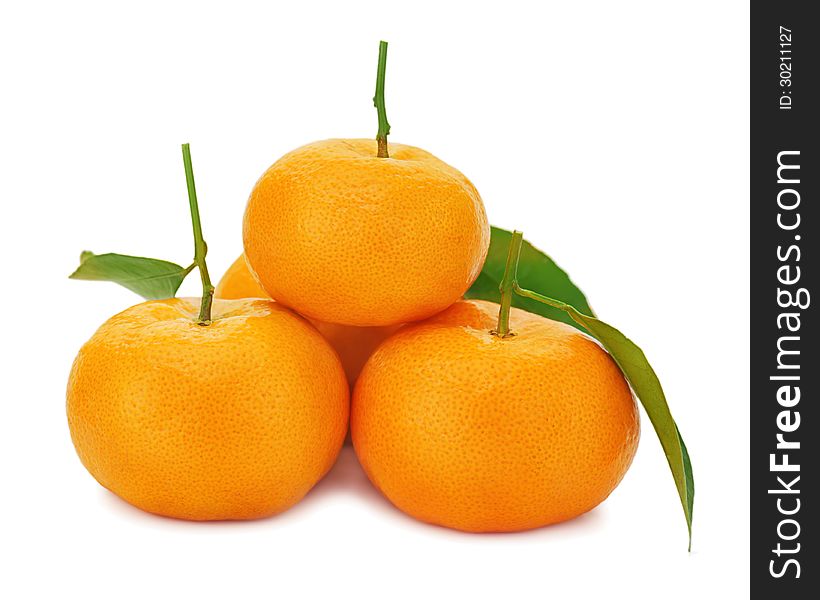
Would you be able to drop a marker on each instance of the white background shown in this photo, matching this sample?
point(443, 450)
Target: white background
point(614, 134)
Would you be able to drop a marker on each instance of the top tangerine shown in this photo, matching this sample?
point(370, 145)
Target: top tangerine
point(344, 236)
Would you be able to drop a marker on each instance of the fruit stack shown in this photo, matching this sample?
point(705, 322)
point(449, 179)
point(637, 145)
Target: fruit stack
point(347, 312)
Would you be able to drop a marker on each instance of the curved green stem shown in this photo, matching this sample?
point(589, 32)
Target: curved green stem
point(200, 247)
point(539, 298)
point(378, 102)
point(508, 282)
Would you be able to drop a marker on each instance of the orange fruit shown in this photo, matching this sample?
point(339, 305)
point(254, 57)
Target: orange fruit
point(461, 428)
point(353, 344)
point(234, 420)
point(238, 282)
point(343, 236)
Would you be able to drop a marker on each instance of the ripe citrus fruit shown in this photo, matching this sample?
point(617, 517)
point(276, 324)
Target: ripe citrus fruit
point(344, 236)
point(234, 420)
point(353, 344)
point(238, 283)
point(461, 428)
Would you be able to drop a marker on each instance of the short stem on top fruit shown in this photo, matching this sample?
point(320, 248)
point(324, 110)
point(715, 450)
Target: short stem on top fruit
point(378, 101)
point(200, 247)
point(508, 282)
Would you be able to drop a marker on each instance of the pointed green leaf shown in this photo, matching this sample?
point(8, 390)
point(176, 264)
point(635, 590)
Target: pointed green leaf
point(150, 278)
point(690, 484)
point(634, 365)
point(537, 270)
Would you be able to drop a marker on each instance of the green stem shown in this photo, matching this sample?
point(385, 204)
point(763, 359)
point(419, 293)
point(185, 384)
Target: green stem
point(508, 282)
point(378, 102)
point(200, 247)
point(538, 297)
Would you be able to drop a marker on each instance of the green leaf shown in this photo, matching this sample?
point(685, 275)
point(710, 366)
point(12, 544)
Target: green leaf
point(634, 365)
point(537, 270)
point(150, 278)
point(690, 485)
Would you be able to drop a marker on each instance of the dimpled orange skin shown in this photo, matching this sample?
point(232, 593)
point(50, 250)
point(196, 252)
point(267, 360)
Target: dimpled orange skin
point(354, 345)
point(234, 420)
point(343, 236)
point(238, 283)
point(460, 428)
